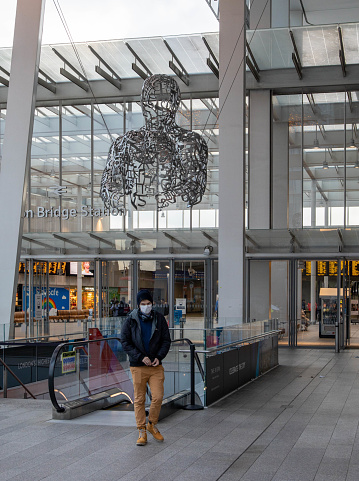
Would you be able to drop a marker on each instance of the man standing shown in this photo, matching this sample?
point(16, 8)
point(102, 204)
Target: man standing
point(146, 340)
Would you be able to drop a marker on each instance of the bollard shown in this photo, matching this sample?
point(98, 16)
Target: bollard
point(192, 405)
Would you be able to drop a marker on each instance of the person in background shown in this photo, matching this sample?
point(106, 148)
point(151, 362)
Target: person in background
point(115, 309)
point(146, 340)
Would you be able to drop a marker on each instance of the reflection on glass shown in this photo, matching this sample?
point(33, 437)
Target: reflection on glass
point(154, 276)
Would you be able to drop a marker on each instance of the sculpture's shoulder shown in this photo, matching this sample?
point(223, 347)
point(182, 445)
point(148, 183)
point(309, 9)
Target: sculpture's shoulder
point(129, 138)
point(188, 138)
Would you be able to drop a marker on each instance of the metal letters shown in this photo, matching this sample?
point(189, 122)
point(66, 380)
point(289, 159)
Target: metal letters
point(160, 160)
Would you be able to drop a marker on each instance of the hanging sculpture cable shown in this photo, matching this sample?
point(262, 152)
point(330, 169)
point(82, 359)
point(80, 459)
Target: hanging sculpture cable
point(64, 23)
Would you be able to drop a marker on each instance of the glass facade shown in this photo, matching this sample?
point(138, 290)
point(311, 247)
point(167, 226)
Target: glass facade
point(69, 152)
point(323, 158)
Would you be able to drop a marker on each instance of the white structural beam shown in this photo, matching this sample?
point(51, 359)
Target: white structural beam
point(232, 160)
point(17, 145)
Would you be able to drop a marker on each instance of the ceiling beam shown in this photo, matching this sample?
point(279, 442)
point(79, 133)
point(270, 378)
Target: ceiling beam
point(210, 238)
point(70, 241)
point(203, 85)
point(173, 239)
point(115, 79)
point(182, 74)
point(42, 244)
point(135, 67)
point(100, 239)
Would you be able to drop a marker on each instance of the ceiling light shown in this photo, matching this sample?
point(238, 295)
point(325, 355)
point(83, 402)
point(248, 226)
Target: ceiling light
point(351, 144)
point(316, 141)
point(325, 163)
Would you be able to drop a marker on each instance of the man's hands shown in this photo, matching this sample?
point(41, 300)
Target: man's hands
point(146, 360)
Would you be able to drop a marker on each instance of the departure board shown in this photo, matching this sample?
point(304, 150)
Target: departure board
point(308, 266)
point(355, 268)
point(322, 268)
point(56, 268)
point(333, 268)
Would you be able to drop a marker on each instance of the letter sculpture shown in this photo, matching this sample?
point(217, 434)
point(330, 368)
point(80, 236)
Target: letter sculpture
point(161, 159)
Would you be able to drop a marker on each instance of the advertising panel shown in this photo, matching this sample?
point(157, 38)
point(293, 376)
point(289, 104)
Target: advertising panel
point(244, 365)
point(68, 360)
point(85, 269)
point(265, 347)
point(230, 371)
point(59, 298)
point(255, 351)
point(214, 377)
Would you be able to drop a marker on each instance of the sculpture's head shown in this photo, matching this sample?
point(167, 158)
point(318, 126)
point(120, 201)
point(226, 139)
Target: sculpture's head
point(160, 99)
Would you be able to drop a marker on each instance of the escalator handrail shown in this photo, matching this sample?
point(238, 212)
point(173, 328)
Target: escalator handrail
point(198, 362)
point(51, 380)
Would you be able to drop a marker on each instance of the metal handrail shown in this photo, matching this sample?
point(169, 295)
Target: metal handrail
point(242, 341)
point(61, 409)
point(198, 362)
point(17, 379)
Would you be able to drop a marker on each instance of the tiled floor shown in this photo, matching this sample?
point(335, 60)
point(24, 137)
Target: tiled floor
point(297, 423)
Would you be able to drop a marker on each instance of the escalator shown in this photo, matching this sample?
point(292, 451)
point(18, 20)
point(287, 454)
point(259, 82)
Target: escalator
point(86, 376)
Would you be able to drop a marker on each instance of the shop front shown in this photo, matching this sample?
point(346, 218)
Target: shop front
point(108, 289)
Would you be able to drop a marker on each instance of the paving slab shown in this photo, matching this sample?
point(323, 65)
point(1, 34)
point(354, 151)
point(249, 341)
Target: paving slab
point(299, 422)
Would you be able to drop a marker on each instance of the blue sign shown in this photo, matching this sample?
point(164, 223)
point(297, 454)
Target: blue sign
point(178, 315)
point(59, 297)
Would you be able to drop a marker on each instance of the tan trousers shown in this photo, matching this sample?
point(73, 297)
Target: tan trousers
point(155, 377)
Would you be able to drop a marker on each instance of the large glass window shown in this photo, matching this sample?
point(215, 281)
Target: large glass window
point(190, 286)
point(69, 153)
point(323, 158)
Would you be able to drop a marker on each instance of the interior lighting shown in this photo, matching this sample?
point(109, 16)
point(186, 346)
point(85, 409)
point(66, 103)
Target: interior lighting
point(325, 163)
point(356, 165)
point(351, 144)
point(316, 141)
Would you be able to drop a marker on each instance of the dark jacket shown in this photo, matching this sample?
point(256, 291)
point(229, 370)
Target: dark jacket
point(131, 339)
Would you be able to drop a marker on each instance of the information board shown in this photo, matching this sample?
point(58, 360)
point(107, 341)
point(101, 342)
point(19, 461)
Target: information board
point(322, 268)
point(308, 268)
point(181, 305)
point(355, 268)
point(333, 268)
point(38, 306)
point(68, 362)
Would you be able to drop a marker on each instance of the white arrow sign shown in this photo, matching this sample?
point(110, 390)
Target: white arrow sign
point(58, 189)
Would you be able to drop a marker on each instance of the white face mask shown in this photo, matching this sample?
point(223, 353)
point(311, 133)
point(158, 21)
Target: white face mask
point(146, 309)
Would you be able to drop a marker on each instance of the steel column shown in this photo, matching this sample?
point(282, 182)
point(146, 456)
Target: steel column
point(337, 321)
point(17, 146)
point(171, 292)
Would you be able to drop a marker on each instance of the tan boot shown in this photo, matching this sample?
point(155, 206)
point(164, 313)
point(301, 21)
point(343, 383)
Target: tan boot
point(151, 428)
point(142, 437)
